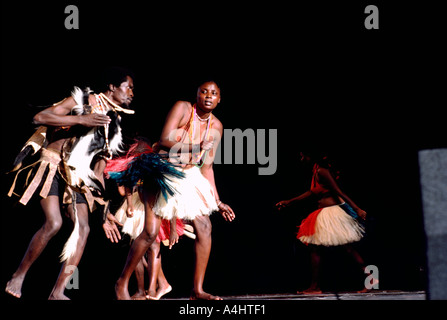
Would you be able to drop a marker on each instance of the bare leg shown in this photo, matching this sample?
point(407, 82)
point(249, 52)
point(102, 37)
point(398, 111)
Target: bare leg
point(72, 262)
point(139, 246)
point(158, 285)
point(52, 224)
point(315, 265)
point(139, 274)
point(163, 285)
point(202, 246)
point(153, 268)
point(359, 260)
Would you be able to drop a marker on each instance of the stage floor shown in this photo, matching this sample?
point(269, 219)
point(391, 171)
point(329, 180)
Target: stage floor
point(375, 295)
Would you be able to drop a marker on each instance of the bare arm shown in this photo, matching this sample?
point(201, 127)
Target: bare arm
point(329, 181)
point(58, 115)
point(285, 203)
point(208, 171)
point(173, 235)
point(177, 118)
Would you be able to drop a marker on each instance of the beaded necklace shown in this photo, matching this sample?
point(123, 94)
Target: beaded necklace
point(198, 159)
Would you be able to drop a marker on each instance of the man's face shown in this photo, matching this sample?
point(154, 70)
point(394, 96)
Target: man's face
point(208, 96)
point(123, 94)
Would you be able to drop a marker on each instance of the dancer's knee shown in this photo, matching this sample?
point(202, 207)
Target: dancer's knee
point(52, 226)
point(148, 234)
point(203, 227)
point(84, 230)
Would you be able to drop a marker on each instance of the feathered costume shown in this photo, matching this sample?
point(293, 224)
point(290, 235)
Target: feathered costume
point(141, 165)
point(134, 225)
point(195, 196)
point(74, 161)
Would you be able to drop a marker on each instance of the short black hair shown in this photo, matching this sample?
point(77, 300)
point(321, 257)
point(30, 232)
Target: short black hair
point(114, 75)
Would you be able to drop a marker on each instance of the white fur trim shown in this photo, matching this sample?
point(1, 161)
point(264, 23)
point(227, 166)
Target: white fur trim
point(72, 242)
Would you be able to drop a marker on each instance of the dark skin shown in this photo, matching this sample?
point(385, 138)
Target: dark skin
point(208, 97)
point(58, 115)
point(334, 197)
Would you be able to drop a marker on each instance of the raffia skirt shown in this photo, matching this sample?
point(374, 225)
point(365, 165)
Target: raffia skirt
point(134, 225)
point(330, 226)
point(194, 197)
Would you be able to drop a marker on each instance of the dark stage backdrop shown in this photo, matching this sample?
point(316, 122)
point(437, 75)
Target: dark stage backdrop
point(311, 72)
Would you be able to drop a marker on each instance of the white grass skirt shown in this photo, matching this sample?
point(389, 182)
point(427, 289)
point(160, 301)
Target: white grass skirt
point(330, 226)
point(194, 197)
point(133, 226)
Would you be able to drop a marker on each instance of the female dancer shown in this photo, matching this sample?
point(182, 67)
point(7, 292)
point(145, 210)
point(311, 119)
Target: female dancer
point(131, 216)
point(190, 136)
point(334, 223)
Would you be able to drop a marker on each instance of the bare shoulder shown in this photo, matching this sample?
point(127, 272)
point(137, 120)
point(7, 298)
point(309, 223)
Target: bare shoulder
point(181, 108)
point(217, 124)
point(179, 113)
point(63, 107)
point(183, 105)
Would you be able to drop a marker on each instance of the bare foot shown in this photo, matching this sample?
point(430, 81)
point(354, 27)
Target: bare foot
point(14, 286)
point(121, 291)
point(374, 285)
point(311, 291)
point(160, 293)
point(58, 296)
point(139, 296)
point(203, 296)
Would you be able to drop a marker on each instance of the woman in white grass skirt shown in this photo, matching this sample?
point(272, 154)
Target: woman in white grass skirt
point(338, 221)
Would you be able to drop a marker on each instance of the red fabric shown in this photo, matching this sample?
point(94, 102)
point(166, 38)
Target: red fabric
point(307, 227)
point(165, 229)
point(121, 163)
point(117, 165)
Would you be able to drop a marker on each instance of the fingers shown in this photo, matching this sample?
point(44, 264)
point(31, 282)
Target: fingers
point(281, 205)
point(173, 241)
point(227, 212)
point(113, 220)
point(96, 119)
point(112, 233)
point(101, 119)
point(109, 234)
point(116, 234)
point(207, 145)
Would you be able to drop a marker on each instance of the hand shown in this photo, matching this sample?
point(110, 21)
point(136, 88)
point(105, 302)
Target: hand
point(94, 120)
point(282, 204)
point(129, 211)
point(207, 145)
point(173, 239)
point(226, 211)
point(111, 229)
point(362, 214)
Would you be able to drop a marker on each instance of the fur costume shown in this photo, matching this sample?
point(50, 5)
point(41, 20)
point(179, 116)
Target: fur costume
point(75, 161)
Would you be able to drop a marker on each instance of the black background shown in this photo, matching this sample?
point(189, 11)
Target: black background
point(311, 71)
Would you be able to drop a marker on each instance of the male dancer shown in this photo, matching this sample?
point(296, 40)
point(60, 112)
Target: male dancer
point(191, 133)
point(53, 181)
